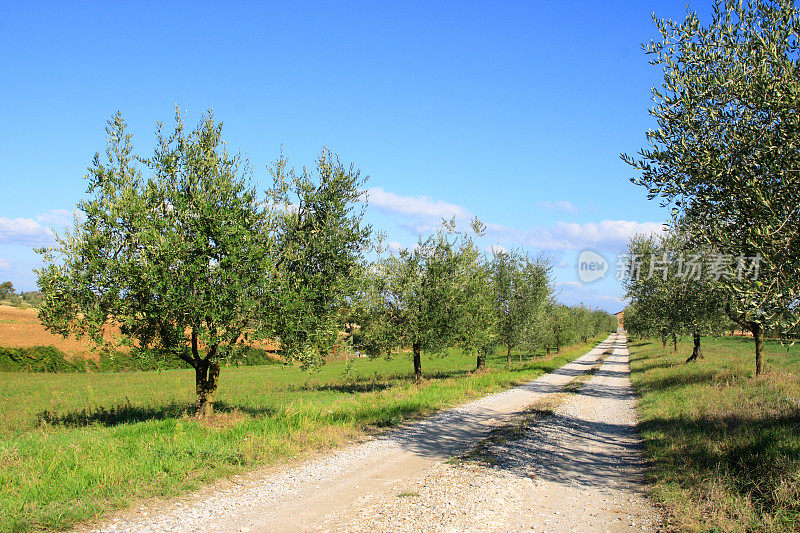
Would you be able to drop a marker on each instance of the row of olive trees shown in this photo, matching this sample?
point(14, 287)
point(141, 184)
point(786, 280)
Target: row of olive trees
point(669, 299)
point(445, 293)
point(725, 154)
point(179, 252)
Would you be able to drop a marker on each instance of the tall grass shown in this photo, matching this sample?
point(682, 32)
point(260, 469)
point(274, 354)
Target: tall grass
point(73, 446)
point(725, 444)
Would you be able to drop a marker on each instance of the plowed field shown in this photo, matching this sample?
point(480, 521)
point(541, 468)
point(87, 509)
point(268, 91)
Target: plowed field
point(20, 328)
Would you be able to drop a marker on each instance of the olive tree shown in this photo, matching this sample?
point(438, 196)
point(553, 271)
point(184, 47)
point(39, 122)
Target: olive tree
point(189, 260)
point(321, 242)
point(670, 296)
point(181, 259)
point(520, 287)
point(478, 319)
point(418, 297)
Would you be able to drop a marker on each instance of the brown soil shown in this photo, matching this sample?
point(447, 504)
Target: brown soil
point(21, 328)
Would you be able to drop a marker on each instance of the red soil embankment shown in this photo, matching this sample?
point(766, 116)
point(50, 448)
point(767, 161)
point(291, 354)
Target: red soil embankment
point(21, 328)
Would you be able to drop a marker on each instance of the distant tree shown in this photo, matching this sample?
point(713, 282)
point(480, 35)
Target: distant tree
point(521, 287)
point(635, 324)
point(603, 322)
point(6, 290)
point(478, 327)
point(32, 298)
point(562, 325)
point(668, 299)
point(537, 333)
point(725, 153)
point(584, 322)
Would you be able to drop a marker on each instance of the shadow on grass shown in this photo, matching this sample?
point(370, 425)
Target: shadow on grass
point(641, 368)
point(678, 380)
point(120, 414)
point(127, 414)
point(354, 387)
point(726, 439)
point(446, 374)
point(755, 457)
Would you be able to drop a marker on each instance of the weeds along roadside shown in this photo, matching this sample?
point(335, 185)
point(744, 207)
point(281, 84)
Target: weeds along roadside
point(724, 445)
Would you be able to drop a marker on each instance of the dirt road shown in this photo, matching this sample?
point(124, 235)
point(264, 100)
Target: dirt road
point(578, 469)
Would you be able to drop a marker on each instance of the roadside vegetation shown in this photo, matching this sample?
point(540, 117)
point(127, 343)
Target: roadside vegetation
point(73, 446)
point(724, 158)
point(179, 254)
point(724, 444)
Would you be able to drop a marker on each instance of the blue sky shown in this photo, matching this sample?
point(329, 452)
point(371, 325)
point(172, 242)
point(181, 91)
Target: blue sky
point(512, 111)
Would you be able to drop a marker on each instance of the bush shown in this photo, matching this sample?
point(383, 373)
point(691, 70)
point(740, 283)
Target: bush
point(51, 359)
point(38, 359)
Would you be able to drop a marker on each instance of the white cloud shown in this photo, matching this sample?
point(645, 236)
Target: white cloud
point(563, 205)
point(394, 246)
point(422, 214)
point(423, 207)
point(496, 249)
point(55, 218)
point(606, 235)
point(4, 265)
point(24, 231)
point(36, 231)
point(605, 232)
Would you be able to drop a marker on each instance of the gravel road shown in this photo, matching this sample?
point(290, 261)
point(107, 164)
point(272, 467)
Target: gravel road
point(578, 469)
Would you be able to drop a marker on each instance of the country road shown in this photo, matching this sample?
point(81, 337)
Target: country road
point(577, 469)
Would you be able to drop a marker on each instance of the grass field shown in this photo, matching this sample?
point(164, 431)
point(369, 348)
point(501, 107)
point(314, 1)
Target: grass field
point(75, 445)
point(725, 445)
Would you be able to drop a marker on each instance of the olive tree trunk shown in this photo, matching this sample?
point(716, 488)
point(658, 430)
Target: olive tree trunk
point(417, 361)
point(206, 378)
point(696, 352)
point(758, 337)
point(481, 361)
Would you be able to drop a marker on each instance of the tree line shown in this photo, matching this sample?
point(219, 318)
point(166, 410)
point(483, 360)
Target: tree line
point(178, 251)
point(9, 294)
point(725, 157)
point(445, 293)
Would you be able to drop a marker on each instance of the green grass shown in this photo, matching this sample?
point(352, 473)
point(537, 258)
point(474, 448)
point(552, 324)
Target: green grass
point(724, 444)
point(73, 446)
